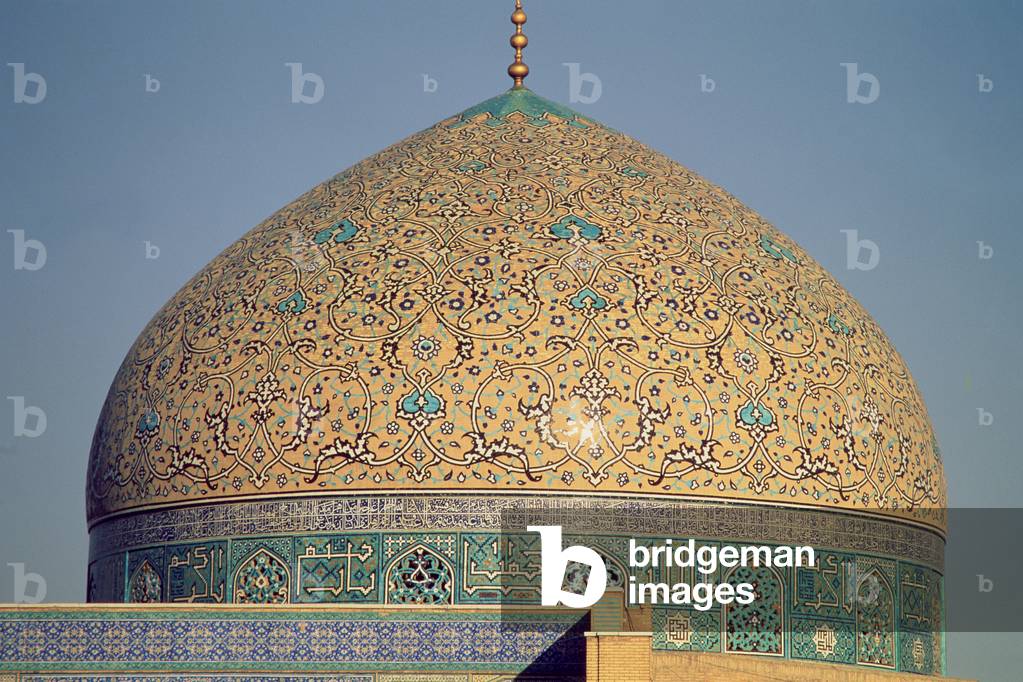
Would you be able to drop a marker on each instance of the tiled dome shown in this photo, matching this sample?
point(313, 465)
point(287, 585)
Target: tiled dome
point(516, 299)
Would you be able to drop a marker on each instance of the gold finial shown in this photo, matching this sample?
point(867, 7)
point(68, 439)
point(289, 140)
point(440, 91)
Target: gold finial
point(518, 70)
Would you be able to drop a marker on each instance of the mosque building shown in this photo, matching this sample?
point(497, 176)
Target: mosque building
point(320, 457)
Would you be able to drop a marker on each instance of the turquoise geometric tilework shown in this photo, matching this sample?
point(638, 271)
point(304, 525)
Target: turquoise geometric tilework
point(687, 629)
point(522, 101)
point(850, 608)
point(875, 598)
point(145, 576)
point(918, 652)
point(827, 588)
point(758, 627)
point(822, 639)
point(197, 573)
point(262, 570)
point(920, 603)
point(442, 543)
point(498, 568)
point(280, 546)
point(338, 568)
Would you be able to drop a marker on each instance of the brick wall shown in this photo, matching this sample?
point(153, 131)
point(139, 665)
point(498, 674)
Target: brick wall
point(672, 666)
point(628, 657)
point(618, 656)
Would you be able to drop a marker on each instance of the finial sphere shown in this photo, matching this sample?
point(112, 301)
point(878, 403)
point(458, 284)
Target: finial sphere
point(518, 70)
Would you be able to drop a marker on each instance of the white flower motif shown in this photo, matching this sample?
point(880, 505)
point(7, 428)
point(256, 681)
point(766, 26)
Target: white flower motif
point(425, 347)
point(746, 360)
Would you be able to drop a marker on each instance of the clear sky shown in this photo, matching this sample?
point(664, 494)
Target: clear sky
point(100, 167)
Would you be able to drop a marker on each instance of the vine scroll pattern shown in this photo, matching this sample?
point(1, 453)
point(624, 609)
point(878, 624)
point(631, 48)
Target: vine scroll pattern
point(516, 299)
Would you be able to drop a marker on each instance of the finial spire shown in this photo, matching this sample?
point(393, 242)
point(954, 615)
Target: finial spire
point(518, 70)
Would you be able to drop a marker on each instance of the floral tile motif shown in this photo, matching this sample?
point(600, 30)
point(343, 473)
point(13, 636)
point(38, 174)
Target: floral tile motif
point(194, 641)
point(517, 298)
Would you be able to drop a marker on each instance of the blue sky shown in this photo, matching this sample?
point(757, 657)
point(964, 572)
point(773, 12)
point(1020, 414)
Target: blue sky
point(101, 167)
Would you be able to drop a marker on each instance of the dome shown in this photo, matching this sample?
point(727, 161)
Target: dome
point(517, 318)
point(517, 299)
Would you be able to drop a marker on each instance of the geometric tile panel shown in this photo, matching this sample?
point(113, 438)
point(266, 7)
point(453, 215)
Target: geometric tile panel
point(197, 573)
point(851, 608)
point(687, 629)
point(496, 567)
point(338, 568)
point(196, 678)
point(339, 640)
point(917, 652)
point(359, 677)
point(820, 639)
point(758, 627)
point(826, 589)
point(145, 576)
